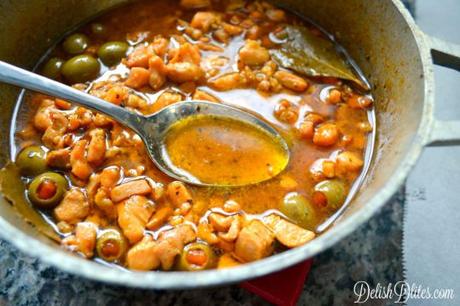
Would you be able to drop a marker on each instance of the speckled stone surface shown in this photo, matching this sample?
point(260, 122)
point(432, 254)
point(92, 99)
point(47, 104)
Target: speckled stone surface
point(372, 253)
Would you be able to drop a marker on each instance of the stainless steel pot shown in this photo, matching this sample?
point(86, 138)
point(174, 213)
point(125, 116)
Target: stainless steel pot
point(380, 35)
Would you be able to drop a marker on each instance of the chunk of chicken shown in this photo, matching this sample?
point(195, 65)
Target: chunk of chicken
point(126, 190)
point(254, 242)
point(157, 71)
point(97, 147)
point(171, 243)
point(143, 255)
point(58, 158)
point(159, 46)
point(139, 57)
point(205, 20)
point(138, 77)
point(133, 215)
point(220, 222)
point(184, 72)
point(110, 176)
point(42, 118)
point(165, 99)
point(288, 233)
point(78, 162)
point(159, 218)
point(177, 193)
point(233, 231)
point(167, 250)
point(105, 204)
point(184, 65)
point(205, 233)
point(53, 136)
point(85, 234)
point(186, 53)
point(73, 208)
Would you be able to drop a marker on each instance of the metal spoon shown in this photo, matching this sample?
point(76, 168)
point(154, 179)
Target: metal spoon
point(152, 129)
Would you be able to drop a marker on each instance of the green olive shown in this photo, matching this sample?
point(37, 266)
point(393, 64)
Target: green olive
point(80, 69)
point(75, 44)
point(47, 189)
point(297, 208)
point(31, 160)
point(332, 192)
point(112, 52)
point(99, 30)
point(196, 256)
point(111, 245)
point(52, 68)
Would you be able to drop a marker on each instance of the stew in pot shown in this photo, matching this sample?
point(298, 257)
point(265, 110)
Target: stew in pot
point(92, 180)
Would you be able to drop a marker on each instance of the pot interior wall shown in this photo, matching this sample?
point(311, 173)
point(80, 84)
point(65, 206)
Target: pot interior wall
point(373, 32)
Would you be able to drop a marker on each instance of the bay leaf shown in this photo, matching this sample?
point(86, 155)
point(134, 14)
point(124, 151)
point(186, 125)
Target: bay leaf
point(311, 55)
point(13, 190)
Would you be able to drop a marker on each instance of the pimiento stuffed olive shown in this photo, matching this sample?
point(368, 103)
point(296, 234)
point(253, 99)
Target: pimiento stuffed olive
point(80, 68)
point(330, 193)
point(52, 68)
point(31, 160)
point(47, 189)
point(112, 52)
point(196, 256)
point(111, 245)
point(75, 44)
point(297, 208)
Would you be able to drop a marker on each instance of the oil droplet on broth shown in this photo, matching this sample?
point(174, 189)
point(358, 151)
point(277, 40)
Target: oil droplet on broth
point(224, 151)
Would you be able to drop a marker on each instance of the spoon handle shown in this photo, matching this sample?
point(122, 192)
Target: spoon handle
point(22, 78)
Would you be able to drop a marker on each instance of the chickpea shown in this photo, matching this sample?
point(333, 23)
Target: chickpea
point(306, 129)
point(315, 118)
point(231, 206)
point(227, 82)
point(232, 29)
point(204, 20)
point(334, 96)
point(349, 161)
point(326, 135)
point(221, 36)
point(291, 81)
point(328, 168)
point(276, 15)
point(253, 54)
point(193, 33)
point(361, 102)
point(286, 112)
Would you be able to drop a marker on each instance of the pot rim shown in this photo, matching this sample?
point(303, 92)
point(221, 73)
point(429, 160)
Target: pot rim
point(76, 265)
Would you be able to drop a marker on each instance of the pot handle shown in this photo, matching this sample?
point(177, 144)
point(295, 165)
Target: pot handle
point(446, 54)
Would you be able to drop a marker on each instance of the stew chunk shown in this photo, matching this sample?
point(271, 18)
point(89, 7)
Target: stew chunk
point(254, 242)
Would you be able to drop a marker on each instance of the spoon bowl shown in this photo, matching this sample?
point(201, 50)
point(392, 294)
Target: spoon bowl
point(152, 129)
